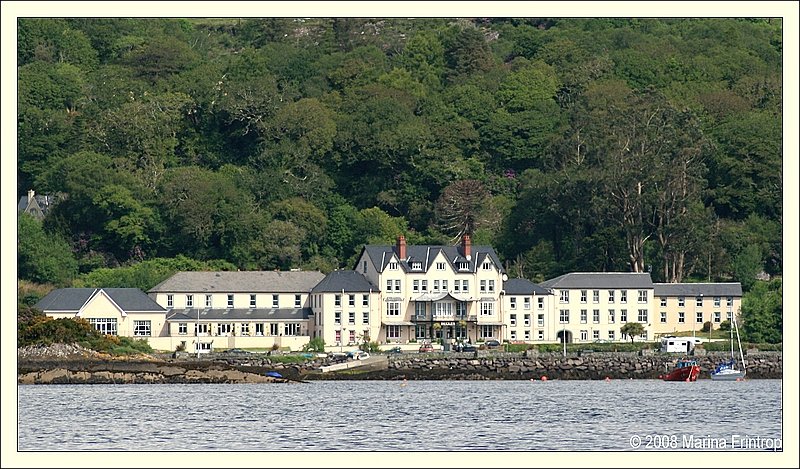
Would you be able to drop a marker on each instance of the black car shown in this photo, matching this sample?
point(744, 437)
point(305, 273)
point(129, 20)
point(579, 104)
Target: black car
point(394, 350)
point(466, 348)
point(492, 343)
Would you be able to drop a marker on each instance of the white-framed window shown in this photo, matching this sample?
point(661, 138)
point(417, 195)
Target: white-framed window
point(596, 316)
point(681, 317)
point(642, 296)
point(730, 301)
point(337, 300)
point(643, 336)
point(563, 316)
point(584, 316)
point(461, 309)
point(623, 296)
point(717, 316)
point(420, 331)
point(513, 319)
point(443, 308)
point(539, 303)
point(352, 336)
point(365, 317)
point(486, 265)
point(527, 335)
point(595, 296)
point(291, 328)
point(189, 301)
point(337, 317)
point(526, 320)
point(539, 335)
point(664, 302)
point(424, 285)
point(224, 328)
point(364, 300)
point(393, 265)
point(397, 285)
point(415, 285)
point(564, 296)
point(717, 301)
point(642, 316)
point(583, 296)
point(338, 337)
point(170, 301)
point(182, 328)
point(245, 327)
point(663, 317)
point(230, 300)
point(393, 308)
point(513, 302)
point(611, 296)
point(389, 285)
point(611, 335)
point(259, 326)
point(444, 285)
point(298, 302)
point(141, 328)
point(252, 300)
point(698, 301)
point(491, 285)
point(526, 303)
point(392, 332)
point(487, 332)
point(681, 301)
point(208, 301)
point(463, 265)
point(464, 285)
point(351, 317)
point(699, 317)
point(611, 316)
point(595, 334)
point(435, 285)
point(540, 320)
point(483, 286)
point(584, 335)
point(623, 315)
point(419, 310)
point(513, 335)
point(487, 308)
point(416, 265)
point(274, 301)
point(351, 300)
point(440, 266)
point(201, 329)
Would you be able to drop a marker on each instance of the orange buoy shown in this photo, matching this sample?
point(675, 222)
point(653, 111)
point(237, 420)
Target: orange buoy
point(608, 379)
point(544, 378)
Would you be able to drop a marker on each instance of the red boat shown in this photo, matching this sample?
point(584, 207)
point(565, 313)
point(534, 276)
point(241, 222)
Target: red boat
point(685, 370)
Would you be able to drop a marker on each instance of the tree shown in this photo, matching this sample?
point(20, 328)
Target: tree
point(463, 208)
point(632, 329)
point(762, 312)
point(43, 257)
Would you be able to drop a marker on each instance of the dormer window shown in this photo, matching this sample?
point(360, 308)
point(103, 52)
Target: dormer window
point(440, 266)
point(463, 265)
point(487, 266)
point(416, 265)
point(230, 300)
point(393, 265)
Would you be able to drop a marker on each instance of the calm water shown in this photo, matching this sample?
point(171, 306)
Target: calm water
point(387, 416)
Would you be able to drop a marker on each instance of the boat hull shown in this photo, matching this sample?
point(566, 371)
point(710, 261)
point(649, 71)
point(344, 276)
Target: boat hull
point(687, 373)
point(728, 375)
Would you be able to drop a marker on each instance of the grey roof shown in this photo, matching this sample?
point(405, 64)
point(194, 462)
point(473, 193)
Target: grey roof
point(347, 280)
point(696, 289)
point(72, 299)
point(606, 280)
point(380, 256)
point(240, 282)
point(259, 314)
point(521, 286)
point(38, 205)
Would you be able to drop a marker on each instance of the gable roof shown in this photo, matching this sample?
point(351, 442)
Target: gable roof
point(73, 299)
point(347, 280)
point(697, 289)
point(521, 286)
point(609, 280)
point(427, 254)
point(240, 282)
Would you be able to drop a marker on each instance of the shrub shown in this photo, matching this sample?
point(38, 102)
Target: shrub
point(707, 326)
point(316, 344)
point(725, 325)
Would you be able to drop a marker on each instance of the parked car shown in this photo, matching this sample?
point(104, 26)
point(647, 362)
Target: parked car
point(357, 355)
point(425, 348)
point(492, 343)
point(466, 348)
point(237, 351)
point(394, 350)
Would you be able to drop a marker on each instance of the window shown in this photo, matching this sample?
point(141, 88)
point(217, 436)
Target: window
point(596, 296)
point(365, 317)
point(491, 285)
point(291, 328)
point(483, 285)
point(487, 308)
point(699, 301)
point(730, 301)
point(540, 303)
point(351, 317)
point(141, 328)
point(623, 296)
point(513, 301)
point(298, 301)
point(444, 285)
point(421, 331)
point(424, 285)
point(273, 329)
point(201, 329)
point(208, 301)
point(513, 320)
point(728, 316)
point(611, 296)
point(513, 335)
point(393, 265)
point(337, 300)
point(415, 286)
point(107, 326)
point(435, 285)
point(623, 315)
point(563, 316)
point(540, 320)
point(351, 300)
point(644, 335)
point(463, 265)
point(663, 317)
point(526, 303)
point(230, 300)
point(611, 316)
point(389, 285)
point(564, 296)
point(392, 332)
point(464, 285)
point(252, 301)
point(337, 318)
point(699, 317)
point(584, 315)
point(170, 301)
point(681, 301)
point(584, 335)
point(274, 301)
point(526, 320)
point(419, 310)
point(457, 285)
point(596, 335)
point(352, 336)
point(224, 329)
point(610, 335)
point(596, 316)
point(397, 285)
point(681, 317)
point(642, 296)
point(182, 328)
point(527, 335)
point(245, 328)
point(486, 265)
point(443, 309)
point(461, 309)
point(393, 308)
point(189, 301)
point(717, 316)
point(583, 296)
point(717, 301)
point(539, 335)
point(364, 300)
point(440, 266)
point(642, 316)
point(664, 302)
point(338, 337)
point(259, 329)
point(364, 267)
point(487, 332)
point(416, 265)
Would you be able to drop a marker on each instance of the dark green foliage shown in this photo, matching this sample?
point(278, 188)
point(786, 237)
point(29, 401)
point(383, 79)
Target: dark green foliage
point(146, 274)
point(762, 312)
point(632, 330)
point(317, 344)
point(43, 257)
point(707, 326)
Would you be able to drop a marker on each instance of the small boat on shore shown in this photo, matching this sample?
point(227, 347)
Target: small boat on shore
point(685, 370)
point(274, 374)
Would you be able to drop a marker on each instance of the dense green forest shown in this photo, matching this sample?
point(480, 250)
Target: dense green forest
point(571, 144)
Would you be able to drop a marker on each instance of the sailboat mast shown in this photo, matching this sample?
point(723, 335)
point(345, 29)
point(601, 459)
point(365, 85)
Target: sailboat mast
point(739, 341)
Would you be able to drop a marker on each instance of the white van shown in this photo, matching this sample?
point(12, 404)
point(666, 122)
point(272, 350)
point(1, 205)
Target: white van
point(677, 344)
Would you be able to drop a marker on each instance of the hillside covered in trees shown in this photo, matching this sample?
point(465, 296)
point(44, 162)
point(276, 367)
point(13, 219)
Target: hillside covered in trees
point(570, 144)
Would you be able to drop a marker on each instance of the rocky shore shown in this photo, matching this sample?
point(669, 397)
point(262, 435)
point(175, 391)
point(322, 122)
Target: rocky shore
point(70, 364)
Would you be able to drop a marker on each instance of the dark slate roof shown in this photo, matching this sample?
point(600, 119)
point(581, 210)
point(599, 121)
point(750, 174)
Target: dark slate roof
point(521, 286)
point(347, 280)
point(697, 289)
point(255, 314)
point(72, 299)
point(240, 282)
point(609, 280)
point(380, 256)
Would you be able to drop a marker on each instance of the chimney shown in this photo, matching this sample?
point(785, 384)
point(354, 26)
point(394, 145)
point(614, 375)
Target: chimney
point(30, 195)
point(466, 246)
point(401, 247)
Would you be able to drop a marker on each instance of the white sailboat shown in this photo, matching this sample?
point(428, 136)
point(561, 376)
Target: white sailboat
point(727, 371)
